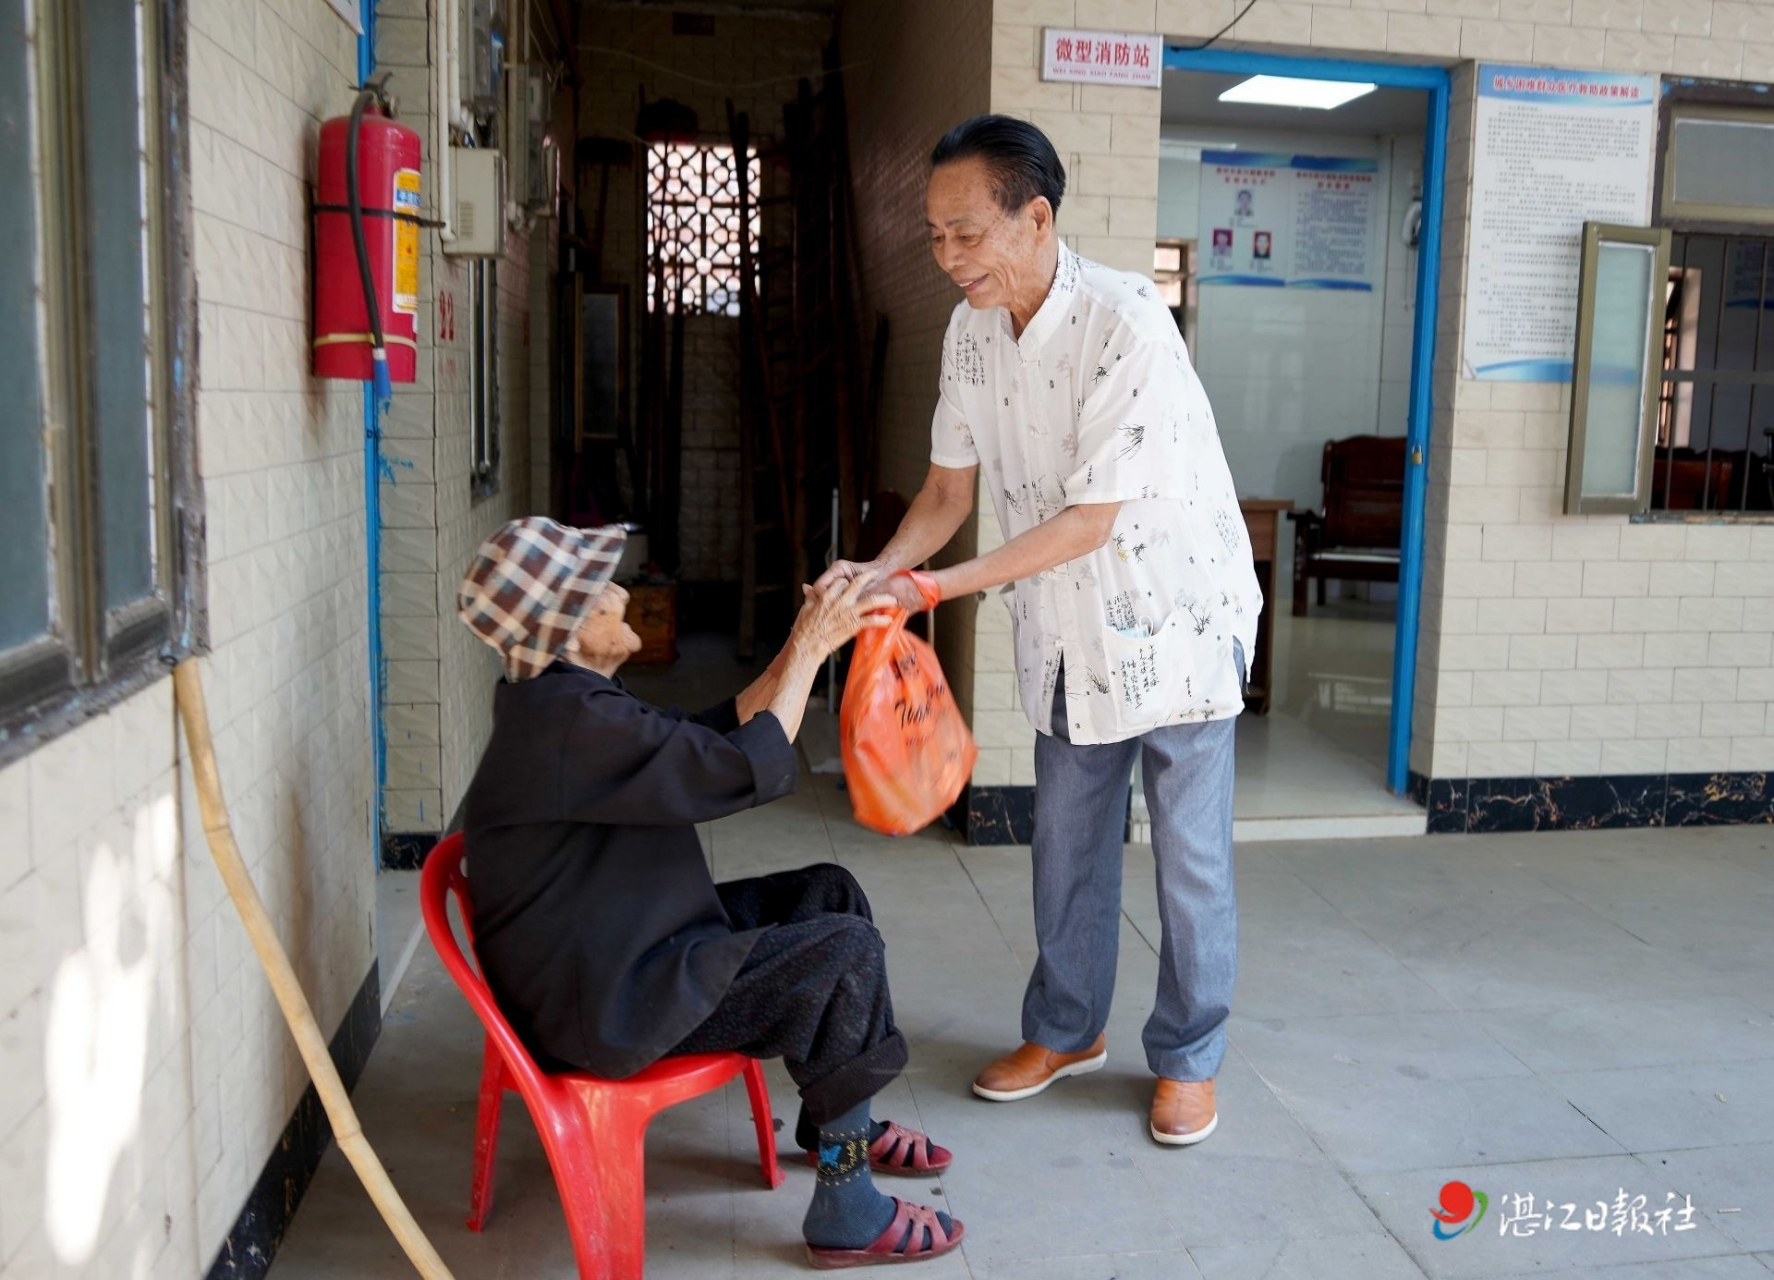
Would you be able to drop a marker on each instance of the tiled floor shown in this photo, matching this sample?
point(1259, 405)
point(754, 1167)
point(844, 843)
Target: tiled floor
point(1333, 673)
point(1564, 1016)
point(399, 932)
point(1314, 767)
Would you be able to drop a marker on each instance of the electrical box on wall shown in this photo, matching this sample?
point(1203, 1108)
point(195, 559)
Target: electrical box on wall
point(485, 61)
point(480, 203)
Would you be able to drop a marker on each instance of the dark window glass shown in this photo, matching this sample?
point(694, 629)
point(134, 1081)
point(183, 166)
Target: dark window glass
point(116, 259)
point(24, 506)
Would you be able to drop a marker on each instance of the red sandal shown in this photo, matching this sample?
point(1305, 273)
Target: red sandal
point(915, 1224)
point(903, 1151)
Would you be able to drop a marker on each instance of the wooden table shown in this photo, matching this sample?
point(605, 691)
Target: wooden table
point(1262, 520)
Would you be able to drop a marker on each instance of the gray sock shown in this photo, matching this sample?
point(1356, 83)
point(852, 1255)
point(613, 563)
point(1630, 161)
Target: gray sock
point(847, 1212)
point(807, 1133)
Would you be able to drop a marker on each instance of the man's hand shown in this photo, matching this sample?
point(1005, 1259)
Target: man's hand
point(936, 513)
point(904, 592)
point(873, 574)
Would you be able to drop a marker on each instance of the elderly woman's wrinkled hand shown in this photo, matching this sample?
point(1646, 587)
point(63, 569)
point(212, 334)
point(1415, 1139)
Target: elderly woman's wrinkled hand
point(829, 619)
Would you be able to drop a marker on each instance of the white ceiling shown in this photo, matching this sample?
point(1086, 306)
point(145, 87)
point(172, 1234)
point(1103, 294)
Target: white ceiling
point(1192, 98)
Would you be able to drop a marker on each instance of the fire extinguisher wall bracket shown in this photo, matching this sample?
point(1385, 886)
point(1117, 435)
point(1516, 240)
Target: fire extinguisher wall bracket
point(366, 263)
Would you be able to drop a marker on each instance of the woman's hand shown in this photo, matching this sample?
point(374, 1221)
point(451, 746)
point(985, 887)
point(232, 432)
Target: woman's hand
point(830, 618)
point(843, 571)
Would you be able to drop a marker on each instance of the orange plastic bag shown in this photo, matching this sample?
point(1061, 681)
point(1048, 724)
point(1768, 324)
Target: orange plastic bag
point(907, 751)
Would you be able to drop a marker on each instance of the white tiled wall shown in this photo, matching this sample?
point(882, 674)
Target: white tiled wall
point(439, 682)
point(147, 1071)
point(1583, 644)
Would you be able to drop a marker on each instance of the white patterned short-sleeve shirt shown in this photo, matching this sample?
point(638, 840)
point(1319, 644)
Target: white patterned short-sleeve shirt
point(1097, 402)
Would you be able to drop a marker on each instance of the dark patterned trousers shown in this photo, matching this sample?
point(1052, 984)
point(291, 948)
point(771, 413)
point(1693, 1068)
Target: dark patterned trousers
point(813, 991)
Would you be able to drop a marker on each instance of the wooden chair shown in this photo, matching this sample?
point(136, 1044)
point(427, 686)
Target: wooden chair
point(1358, 535)
point(1692, 482)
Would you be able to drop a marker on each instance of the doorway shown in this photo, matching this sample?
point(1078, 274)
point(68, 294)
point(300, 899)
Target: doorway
point(1309, 309)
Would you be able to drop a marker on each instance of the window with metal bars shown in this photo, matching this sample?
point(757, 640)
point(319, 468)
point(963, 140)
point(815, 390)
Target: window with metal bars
point(693, 226)
point(1715, 412)
point(1713, 450)
point(483, 377)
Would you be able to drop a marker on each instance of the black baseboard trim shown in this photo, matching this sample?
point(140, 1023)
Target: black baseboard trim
point(1478, 806)
point(1006, 815)
point(406, 850)
point(999, 815)
point(258, 1231)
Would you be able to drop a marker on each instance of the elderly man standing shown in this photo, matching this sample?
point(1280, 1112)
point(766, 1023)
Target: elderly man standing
point(1132, 595)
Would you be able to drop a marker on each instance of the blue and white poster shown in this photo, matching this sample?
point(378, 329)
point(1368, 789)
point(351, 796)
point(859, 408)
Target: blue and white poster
point(1552, 150)
point(1246, 218)
point(1333, 223)
point(1286, 221)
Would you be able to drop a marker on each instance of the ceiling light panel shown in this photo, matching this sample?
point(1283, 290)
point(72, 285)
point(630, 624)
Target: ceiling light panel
point(1286, 91)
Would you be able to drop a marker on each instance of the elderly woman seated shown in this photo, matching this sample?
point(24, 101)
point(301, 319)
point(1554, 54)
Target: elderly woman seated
point(598, 926)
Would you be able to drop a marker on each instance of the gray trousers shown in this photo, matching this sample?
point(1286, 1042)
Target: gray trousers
point(1080, 815)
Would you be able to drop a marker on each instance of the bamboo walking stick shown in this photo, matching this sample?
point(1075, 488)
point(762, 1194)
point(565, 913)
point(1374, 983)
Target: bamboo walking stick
point(284, 983)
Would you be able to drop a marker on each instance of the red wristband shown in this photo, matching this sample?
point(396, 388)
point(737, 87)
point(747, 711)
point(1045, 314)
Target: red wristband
point(927, 587)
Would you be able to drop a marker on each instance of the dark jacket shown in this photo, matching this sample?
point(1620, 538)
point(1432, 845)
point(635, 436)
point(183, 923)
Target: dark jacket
point(595, 918)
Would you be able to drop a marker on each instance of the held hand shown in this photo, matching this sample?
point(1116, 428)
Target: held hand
point(905, 593)
point(831, 618)
point(843, 571)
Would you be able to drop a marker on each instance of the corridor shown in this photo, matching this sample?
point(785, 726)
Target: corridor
point(1496, 1010)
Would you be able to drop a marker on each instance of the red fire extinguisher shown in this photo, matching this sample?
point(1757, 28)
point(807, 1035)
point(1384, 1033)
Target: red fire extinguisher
point(366, 247)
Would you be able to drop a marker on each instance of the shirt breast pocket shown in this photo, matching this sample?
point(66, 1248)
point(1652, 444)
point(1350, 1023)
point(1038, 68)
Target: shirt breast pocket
point(1153, 678)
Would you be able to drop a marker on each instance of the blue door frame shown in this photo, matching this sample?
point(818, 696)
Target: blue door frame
point(1434, 82)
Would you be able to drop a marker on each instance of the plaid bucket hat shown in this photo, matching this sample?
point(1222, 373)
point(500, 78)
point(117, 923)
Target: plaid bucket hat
point(530, 585)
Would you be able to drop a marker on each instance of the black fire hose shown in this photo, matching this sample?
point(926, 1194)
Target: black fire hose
point(354, 202)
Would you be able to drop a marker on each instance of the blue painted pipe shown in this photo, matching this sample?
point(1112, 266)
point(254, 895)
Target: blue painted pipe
point(375, 394)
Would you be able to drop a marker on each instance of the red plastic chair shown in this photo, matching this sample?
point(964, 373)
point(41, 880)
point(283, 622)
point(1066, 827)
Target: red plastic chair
point(594, 1130)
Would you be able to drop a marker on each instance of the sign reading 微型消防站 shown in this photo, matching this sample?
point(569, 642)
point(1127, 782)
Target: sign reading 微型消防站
point(1125, 60)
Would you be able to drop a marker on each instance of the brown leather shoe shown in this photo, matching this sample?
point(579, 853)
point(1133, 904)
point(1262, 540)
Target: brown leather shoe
point(1032, 1068)
point(1183, 1112)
